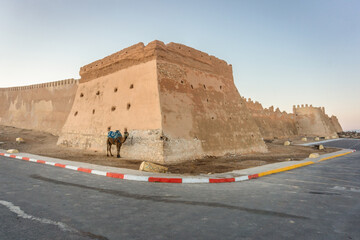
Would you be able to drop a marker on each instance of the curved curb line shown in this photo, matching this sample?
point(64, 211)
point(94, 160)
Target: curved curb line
point(172, 180)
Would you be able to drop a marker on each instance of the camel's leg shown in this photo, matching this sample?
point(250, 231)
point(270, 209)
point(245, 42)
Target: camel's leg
point(107, 148)
point(118, 146)
point(110, 145)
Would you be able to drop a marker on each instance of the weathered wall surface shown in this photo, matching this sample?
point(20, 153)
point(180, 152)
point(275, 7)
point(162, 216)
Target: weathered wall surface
point(202, 111)
point(336, 124)
point(127, 98)
point(312, 121)
point(272, 124)
point(176, 102)
point(42, 107)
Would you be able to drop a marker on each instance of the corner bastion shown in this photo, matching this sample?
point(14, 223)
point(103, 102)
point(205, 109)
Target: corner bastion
point(177, 103)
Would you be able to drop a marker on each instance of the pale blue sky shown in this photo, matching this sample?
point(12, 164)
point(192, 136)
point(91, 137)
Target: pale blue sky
point(283, 52)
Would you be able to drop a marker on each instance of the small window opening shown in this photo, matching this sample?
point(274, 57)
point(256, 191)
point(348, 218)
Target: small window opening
point(192, 87)
point(182, 82)
point(113, 108)
point(204, 86)
point(76, 113)
point(93, 111)
point(131, 86)
point(220, 87)
point(98, 93)
point(115, 89)
point(128, 106)
point(81, 94)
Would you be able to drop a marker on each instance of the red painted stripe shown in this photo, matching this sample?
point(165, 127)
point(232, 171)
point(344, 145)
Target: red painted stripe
point(115, 175)
point(2, 154)
point(26, 158)
point(84, 170)
point(165, 180)
point(253, 176)
point(13, 156)
point(40, 161)
point(60, 165)
point(221, 180)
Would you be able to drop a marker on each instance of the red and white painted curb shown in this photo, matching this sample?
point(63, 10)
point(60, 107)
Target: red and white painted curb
point(158, 179)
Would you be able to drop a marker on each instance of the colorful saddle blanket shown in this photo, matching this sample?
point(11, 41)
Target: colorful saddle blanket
point(115, 134)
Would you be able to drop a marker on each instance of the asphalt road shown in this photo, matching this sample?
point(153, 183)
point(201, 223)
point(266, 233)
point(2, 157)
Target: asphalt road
point(321, 201)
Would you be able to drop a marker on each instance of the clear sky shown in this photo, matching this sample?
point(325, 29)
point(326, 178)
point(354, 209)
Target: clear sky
point(283, 53)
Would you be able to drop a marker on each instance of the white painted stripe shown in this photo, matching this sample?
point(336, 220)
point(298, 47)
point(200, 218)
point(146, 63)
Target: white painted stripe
point(7, 155)
point(136, 178)
point(32, 160)
point(102, 173)
point(22, 214)
point(195, 180)
point(71, 167)
point(241, 178)
point(19, 157)
point(50, 163)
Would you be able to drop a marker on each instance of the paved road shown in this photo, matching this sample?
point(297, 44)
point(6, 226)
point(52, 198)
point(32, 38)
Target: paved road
point(320, 201)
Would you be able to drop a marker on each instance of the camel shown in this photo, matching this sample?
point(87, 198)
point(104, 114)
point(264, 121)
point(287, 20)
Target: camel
point(118, 141)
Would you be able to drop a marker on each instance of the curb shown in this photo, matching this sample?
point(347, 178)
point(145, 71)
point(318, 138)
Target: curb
point(172, 180)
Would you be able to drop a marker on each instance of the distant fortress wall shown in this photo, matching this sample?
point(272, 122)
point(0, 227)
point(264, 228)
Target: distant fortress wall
point(42, 107)
point(305, 120)
point(272, 123)
point(313, 121)
point(336, 124)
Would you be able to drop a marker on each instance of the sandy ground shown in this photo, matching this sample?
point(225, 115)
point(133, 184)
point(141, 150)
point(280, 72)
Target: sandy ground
point(45, 144)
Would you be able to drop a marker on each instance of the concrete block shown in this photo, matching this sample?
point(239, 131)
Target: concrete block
point(152, 167)
point(321, 147)
point(304, 139)
point(19, 140)
point(333, 137)
point(317, 139)
point(12, 151)
point(327, 138)
point(287, 143)
point(314, 155)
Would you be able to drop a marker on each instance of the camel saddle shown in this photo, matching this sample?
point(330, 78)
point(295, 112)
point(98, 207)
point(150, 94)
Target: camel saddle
point(114, 134)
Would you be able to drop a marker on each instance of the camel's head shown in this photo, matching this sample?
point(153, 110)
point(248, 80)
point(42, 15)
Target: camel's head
point(126, 134)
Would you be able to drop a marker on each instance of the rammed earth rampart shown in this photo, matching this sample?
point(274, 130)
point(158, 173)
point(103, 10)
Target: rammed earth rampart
point(178, 104)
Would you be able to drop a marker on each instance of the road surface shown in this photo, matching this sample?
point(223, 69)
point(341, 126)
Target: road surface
point(321, 201)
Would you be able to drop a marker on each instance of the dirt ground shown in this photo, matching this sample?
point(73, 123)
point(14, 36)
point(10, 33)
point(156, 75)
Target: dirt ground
point(44, 144)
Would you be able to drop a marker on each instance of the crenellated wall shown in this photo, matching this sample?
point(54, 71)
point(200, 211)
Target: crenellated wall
point(42, 107)
point(313, 121)
point(272, 124)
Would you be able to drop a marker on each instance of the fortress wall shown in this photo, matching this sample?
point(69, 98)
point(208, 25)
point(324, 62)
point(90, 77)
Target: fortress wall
point(312, 121)
point(42, 107)
point(202, 111)
point(127, 98)
point(131, 56)
point(183, 105)
point(336, 124)
point(272, 124)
